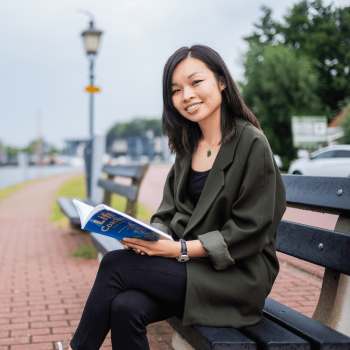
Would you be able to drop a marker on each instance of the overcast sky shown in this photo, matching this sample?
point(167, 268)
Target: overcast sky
point(44, 69)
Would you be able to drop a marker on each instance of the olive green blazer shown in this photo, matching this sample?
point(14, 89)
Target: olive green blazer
point(236, 219)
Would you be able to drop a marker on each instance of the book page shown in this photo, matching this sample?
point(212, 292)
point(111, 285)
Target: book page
point(84, 210)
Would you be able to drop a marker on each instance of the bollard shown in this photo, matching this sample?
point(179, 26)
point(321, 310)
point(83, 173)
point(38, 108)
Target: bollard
point(23, 165)
point(93, 156)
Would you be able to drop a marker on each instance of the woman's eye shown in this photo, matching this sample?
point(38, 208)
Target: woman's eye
point(174, 91)
point(196, 82)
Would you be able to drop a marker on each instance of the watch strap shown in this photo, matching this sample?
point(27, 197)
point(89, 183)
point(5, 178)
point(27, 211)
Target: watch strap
point(183, 246)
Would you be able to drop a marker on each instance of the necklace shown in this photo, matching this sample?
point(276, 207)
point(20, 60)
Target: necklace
point(209, 148)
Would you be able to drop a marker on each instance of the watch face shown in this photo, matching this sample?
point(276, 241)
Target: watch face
point(183, 258)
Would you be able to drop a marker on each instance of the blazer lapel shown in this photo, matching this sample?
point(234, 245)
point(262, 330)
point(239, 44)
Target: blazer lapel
point(216, 179)
point(181, 184)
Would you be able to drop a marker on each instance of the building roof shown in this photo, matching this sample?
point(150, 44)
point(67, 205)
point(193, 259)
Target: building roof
point(337, 120)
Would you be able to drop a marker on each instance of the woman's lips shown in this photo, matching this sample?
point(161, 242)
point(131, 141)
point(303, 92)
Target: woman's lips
point(193, 107)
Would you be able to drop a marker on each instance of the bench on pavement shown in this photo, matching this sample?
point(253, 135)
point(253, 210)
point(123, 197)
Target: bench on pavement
point(134, 172)
point(282, 327)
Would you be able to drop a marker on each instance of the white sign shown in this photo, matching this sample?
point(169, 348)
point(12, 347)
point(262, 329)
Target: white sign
point(309, 131)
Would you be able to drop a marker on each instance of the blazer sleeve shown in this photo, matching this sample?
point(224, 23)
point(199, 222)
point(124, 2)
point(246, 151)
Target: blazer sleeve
point(257, 211)
point(166, 211)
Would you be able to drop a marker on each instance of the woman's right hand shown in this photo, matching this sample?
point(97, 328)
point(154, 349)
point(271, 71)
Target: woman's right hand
point(137, 251)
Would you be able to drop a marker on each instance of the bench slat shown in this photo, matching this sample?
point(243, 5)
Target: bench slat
point(303, 242)
point(105, 244)
point(69, 209)
point(212, 338)
point(269, 335)
point(318, 193)
point(128, 191)
point(133, 171)
point(320, 336)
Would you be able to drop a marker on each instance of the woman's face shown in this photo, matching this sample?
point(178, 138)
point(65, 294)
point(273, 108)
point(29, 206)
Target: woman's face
point(195, 90)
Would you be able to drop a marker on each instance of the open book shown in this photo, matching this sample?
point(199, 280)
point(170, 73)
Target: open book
point(113, 223)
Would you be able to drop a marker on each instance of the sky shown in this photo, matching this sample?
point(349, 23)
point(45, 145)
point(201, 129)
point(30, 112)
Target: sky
point(44, 69)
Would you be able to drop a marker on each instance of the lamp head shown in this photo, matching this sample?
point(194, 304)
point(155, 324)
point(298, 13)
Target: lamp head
point(91, 39)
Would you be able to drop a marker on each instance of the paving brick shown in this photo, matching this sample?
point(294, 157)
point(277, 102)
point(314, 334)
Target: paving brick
point(4, 334)
point(38, 346)
point(9, 327)
point(48, 312)
point(14, 340)
point(65, 317)
point(40, 318)
point(49, 324)
point(59, 330)
point(51, 337)
point(31, 332)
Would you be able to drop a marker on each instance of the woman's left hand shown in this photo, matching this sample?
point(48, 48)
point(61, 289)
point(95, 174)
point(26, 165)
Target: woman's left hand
point(164, 248)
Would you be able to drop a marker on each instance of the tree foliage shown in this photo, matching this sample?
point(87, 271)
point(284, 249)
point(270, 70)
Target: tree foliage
point(135, 128)
point(280, 84)
point(320, 33)
point(299, 66)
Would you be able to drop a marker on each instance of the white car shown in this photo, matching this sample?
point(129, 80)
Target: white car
point(327, 161)
point(278, 161)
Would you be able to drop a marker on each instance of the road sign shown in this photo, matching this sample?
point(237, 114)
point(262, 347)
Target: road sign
point(309, 131)
point(92, 89)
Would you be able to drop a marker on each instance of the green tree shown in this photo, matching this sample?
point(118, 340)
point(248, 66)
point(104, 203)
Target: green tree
point(12, 151)
point(319, 32)
point(135, 128)
point(30, 149)
point(279, 85)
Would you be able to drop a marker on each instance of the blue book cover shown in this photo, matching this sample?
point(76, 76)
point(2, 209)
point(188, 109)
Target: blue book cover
point(113, 223)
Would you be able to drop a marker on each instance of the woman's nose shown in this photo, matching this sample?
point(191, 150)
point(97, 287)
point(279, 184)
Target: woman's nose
point(188, 94)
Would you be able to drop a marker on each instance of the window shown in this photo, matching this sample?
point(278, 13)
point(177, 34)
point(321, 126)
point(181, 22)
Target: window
point(342, 154)
point(329, 154)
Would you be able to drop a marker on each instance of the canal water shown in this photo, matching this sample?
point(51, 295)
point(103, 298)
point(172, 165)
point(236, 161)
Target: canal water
point(13, 175)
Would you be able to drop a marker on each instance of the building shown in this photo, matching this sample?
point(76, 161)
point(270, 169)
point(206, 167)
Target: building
point(334, 130)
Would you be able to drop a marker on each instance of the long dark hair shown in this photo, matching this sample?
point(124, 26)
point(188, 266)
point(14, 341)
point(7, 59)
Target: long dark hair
point(183, 134)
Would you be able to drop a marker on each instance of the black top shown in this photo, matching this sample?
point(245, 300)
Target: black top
point(195, 184)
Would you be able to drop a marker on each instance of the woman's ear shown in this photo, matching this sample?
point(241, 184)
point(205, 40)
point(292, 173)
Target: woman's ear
point(222, 84)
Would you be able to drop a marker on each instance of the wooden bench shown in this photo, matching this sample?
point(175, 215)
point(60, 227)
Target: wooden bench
point(281, 327)
point(136, 173)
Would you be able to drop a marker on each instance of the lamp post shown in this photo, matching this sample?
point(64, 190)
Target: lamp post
point(91, 38)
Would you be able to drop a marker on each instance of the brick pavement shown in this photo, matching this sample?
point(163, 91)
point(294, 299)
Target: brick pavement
point(43, 289)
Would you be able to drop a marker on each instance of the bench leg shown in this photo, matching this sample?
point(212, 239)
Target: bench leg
point(180, 343)
point(340, 317)
point(333, 308)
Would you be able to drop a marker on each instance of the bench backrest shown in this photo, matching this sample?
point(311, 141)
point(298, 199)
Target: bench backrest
point(135, 172)
point(323, 247)
point(319, 246)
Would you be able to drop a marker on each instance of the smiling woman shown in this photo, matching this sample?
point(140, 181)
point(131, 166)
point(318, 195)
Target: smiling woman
point(193, 76)
point(222, 202)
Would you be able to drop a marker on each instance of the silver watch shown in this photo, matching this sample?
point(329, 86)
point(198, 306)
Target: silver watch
point(184, 255)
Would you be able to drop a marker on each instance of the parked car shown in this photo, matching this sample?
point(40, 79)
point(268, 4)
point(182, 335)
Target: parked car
point(278, 161)
point(327, 161)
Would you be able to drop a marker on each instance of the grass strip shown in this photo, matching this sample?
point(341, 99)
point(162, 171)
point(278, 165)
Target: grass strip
point(76, 188)
point(85, 251)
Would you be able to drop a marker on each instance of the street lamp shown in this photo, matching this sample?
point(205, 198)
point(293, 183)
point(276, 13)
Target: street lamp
point(91, 38)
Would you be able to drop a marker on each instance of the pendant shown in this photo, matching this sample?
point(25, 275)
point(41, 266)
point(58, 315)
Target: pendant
point(209, 153)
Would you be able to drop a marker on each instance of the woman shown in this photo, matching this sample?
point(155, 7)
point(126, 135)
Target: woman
point(224, 196)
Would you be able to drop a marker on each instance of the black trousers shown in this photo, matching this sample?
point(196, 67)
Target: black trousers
point(130, 292)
